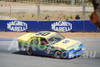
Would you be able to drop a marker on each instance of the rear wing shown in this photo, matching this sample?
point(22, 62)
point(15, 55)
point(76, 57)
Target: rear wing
point(25, 38)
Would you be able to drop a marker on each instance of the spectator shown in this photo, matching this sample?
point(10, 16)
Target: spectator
point(77, 17)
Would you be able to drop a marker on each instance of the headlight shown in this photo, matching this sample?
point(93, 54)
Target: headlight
point(76, 48)
point(74, 44)
point(71, 54)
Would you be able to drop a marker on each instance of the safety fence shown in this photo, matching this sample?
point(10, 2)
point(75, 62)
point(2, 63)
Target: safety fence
point(45, 10)
point(58, 26)
point(50, 1)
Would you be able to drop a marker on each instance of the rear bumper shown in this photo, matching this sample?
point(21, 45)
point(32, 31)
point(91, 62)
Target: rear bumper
point(73, 53)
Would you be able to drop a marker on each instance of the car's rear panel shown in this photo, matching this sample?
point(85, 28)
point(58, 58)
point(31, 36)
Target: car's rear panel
point(25, 38)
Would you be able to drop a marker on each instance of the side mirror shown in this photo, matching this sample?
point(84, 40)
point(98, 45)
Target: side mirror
point(48, 45)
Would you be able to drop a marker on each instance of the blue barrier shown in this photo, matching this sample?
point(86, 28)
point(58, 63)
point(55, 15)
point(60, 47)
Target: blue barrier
point(18, 25)
point(90, 27)
point(58, 26)
point(67, 26)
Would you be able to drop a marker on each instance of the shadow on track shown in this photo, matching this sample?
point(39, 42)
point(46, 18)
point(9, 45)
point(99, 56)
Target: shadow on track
point(36, 55)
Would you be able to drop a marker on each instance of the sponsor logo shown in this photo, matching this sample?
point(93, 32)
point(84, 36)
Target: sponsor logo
point(61, 26)
point(17, 26)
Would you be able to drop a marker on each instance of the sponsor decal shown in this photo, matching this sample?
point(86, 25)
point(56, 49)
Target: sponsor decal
point(61, 26)
point(17, 26)
point(47, 50)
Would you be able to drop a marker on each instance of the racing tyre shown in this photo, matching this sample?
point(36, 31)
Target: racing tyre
point(57, 54)
point(29, 51)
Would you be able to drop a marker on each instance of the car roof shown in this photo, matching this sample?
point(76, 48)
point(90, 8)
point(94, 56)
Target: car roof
point(44, 34)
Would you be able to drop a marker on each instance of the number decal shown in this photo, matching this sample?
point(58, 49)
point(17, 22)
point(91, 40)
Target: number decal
point(66, 41)
point(43, 33)
point(47, 50)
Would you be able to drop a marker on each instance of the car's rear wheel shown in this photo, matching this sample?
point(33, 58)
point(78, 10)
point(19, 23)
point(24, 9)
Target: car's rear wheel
point(57, 54)
point(29, 51)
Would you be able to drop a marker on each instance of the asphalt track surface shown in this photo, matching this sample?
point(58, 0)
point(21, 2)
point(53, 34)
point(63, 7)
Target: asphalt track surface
point(11, 57)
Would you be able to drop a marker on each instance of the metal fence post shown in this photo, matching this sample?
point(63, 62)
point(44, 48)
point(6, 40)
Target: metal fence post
point(84, 15)
point(38, 10)
point(38, 18)
point(10, 8)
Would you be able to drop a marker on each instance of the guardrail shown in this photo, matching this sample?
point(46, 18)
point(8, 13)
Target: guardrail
point(58, 26)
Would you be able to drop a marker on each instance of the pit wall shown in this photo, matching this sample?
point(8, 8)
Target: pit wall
point(58, 26)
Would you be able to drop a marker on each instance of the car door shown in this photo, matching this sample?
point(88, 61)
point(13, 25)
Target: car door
point(44, 46)
point(34, 43)
point(40, 46)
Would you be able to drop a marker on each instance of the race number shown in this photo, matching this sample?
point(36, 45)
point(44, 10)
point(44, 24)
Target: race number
point(43, 33)
point(66, 41)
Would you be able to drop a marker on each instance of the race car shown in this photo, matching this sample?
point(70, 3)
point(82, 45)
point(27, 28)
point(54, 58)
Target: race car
point(49, 44)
